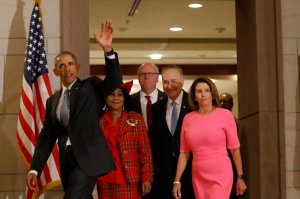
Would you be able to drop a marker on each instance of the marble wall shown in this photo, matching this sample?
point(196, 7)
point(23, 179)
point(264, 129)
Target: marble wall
point(291, 74)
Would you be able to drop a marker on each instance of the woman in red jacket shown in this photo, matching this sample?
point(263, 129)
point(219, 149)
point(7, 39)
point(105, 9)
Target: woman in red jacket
point(128, 142)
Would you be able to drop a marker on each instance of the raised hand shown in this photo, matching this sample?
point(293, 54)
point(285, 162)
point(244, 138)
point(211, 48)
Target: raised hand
point(105, 38)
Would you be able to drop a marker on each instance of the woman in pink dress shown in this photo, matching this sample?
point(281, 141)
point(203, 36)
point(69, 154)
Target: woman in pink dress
point(207, 132)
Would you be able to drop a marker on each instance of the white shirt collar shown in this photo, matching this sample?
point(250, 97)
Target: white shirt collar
point(152, 95)
point(69, 87)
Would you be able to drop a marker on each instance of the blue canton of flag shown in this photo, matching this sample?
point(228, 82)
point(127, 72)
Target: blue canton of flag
point(35, 62)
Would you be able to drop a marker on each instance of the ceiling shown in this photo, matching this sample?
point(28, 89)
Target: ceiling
point(208, 35)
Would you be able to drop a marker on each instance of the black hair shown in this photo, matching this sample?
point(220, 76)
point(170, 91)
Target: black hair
point(127, 103)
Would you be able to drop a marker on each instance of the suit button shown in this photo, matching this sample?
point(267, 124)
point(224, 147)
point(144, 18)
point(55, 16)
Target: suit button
point(125, 152)
point(126, 167)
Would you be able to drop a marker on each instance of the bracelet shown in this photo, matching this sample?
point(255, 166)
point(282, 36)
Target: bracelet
point(240, 177)
point(177, 182)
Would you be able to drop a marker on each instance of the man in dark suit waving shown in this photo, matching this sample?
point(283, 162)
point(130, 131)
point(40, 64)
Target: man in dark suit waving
point(164, 135)
point(149, 94)
point(72, 117)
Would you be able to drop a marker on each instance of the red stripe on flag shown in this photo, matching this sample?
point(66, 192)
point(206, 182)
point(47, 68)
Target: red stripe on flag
point(39, 101)
point(47, 173)
point(26, 154)
point(27, 129)
point(27, 103)
point(47, 84)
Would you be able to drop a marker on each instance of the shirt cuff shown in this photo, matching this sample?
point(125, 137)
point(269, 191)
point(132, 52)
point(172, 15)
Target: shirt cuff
point(111, 56)
point(33, 171)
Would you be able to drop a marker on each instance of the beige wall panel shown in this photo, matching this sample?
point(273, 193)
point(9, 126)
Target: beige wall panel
point(9, 156)
point(1, 84)
point(293, 179)
point(54, 194)
point(13, 73)
point(13, 12)
point(14, 195)
point(292, 193)
point(292, 158)
point(14, 46)
point(289, 46)
point(51, 18)
point(290, 18)
point(12, 182)
point(291, 83)
point(53, 47)
point(291, 35)
point(292, 127)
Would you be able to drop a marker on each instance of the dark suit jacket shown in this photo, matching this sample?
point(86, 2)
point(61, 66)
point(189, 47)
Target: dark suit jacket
point(88, 142)
point(165, 150)
point(136, 102)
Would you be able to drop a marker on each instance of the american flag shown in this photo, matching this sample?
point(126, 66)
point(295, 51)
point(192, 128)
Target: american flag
point(35, 91)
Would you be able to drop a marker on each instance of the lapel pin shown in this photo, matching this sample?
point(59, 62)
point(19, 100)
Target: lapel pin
point(132, 122)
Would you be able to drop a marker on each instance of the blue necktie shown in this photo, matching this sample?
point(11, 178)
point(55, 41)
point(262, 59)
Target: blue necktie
point(65, 109)
point(174, 118)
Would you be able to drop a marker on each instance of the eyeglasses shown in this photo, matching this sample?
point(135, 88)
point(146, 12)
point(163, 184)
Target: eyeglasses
point(147, 74)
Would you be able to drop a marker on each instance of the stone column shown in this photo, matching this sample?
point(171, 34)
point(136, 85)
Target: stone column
point(260, 96)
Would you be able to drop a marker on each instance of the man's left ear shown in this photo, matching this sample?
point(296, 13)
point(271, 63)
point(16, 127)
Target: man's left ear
point(78, 66)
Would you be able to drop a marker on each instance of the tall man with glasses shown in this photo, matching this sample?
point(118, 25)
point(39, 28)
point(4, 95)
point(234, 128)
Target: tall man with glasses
point(72, 119)
point(142, 100)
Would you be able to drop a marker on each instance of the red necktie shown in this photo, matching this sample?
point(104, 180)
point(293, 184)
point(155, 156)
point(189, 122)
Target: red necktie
point(149, 114)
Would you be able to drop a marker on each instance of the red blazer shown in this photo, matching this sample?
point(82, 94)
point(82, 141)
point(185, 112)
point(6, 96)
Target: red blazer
point(135, 148)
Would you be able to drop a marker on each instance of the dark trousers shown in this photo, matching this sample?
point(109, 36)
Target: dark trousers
point(234, 196)
point(163, 183)
point(76, 184)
